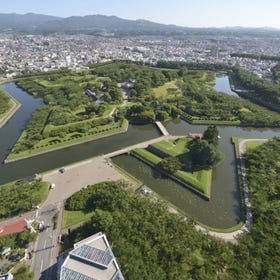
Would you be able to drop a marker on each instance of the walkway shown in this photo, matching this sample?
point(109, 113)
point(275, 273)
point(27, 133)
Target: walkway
point(162, 129)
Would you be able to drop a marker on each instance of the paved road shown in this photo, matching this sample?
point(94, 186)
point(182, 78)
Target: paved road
point(46, 245)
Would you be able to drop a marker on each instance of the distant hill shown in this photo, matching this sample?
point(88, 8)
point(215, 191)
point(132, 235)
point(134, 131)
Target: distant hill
point(24, 22)
point(36, 23)
point(102, 23)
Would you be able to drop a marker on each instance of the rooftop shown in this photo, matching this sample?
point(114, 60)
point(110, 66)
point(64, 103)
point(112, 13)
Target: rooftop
point(91, 259)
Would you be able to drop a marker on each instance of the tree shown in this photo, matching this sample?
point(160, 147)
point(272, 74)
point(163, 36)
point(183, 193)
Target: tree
point(170, 164)
point(211, 135)
point(161, 115)
point(203, 154)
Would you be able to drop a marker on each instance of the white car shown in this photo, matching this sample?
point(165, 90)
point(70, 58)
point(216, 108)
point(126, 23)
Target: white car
point(52, 186)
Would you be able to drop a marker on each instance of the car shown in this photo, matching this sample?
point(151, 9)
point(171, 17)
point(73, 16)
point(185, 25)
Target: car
point(62, 170)
point(52, 186)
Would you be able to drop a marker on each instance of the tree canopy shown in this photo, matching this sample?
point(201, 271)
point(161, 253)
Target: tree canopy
point(203, 154)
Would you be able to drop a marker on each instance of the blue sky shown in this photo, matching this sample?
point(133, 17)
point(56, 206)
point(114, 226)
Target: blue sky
point(194, 13)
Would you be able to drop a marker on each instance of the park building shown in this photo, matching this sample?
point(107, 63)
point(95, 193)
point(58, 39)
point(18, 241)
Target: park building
point(91, 259)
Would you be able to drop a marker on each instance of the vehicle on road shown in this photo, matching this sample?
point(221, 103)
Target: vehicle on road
point(62, 170)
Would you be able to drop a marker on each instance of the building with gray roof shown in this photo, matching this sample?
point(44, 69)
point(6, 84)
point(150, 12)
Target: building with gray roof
point(91, 259)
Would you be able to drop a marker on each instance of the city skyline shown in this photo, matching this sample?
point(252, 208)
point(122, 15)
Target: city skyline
point(199, 13)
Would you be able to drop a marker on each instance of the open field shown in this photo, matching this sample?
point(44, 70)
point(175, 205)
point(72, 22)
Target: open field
point(167, 91)
point(148, 156)
point(252, 145)
point(73, 217)
point(173, 148)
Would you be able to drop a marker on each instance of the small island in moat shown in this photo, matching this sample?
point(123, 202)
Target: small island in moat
point(188, 160)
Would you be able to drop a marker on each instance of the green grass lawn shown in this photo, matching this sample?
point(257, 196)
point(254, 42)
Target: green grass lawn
point(168, 90)
point(200, 180)
point(71, 218)
point(9, 102)
point(252, 145)
point(171, 147)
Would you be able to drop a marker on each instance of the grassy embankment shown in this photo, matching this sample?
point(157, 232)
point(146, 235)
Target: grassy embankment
point(198, 181)
point(75, 138)
point(10, 107)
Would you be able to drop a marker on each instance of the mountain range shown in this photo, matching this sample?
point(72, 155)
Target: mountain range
point(37, 23)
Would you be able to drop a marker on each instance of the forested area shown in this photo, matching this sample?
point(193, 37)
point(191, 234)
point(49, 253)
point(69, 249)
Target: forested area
point(258, 252)
point(151, 243)
point(197, 101)
point(21, 196)
point(201, 102)
point(264, 92)
point(148, 241)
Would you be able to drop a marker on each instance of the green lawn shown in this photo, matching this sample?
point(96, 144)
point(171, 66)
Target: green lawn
point(168, 90)
point(71, 218)
point(171, 147)
point(252, 145)
point(7, 102)
point(200, 180)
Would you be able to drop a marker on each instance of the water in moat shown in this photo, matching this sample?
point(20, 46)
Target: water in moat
point(222, 85)
point(223, 210)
